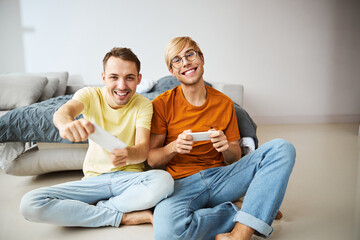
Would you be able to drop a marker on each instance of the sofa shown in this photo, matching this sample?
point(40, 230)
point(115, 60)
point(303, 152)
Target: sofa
point(29, 142)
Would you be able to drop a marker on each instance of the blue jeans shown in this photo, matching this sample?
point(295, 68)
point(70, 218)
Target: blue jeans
point(97, 201)
point(201, 206)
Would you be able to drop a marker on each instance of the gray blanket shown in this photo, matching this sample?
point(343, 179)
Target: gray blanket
point(34, 123)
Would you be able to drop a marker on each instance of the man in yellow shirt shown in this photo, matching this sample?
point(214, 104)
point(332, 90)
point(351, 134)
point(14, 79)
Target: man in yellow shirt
point(115, 189)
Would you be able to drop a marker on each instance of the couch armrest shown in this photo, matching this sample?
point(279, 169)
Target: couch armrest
point(233, 91)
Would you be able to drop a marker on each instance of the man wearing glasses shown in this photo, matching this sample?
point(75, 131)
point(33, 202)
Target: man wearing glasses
point(209, 175)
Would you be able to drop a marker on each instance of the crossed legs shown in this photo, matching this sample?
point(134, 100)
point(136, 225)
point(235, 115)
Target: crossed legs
point(105, 200)
point(201, 206)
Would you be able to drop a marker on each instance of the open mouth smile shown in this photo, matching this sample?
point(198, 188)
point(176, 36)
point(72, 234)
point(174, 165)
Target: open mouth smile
point(190, 71)
point(121, 93)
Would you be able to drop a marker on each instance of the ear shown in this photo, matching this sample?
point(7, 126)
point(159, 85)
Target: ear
point(139, 78)
point(172, 72)
point(202, 59)
point(103, 76)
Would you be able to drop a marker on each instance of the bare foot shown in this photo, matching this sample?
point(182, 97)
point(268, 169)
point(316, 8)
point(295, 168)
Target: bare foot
point(239, 232)
point(279, 215)
point(223, 236)
point(136, 218)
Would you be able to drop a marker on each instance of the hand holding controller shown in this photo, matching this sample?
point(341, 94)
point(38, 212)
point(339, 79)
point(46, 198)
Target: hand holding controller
point(105, 139)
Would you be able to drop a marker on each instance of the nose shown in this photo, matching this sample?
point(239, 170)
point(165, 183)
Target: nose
point(185, 62)
point(121, 84)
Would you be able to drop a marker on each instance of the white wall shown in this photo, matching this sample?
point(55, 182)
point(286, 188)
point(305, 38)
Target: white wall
point(11, 43)
point(299, 61)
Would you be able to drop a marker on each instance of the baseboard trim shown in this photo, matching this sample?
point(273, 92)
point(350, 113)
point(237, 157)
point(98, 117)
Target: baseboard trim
point(308, 119)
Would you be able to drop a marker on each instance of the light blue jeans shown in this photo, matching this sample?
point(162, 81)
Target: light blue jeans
point(201, 206)
point(97, 201)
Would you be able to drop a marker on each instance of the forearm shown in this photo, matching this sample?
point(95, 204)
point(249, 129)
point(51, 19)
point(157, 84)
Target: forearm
point(159, 157)
point(232, 154)
point(61, 118)
point(66, 113)
point(138, 153)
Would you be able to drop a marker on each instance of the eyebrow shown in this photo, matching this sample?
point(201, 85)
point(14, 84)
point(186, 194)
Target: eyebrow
point(129, 74)
point(185, 52)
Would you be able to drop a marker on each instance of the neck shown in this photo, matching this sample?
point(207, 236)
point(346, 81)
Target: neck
point(195, 94)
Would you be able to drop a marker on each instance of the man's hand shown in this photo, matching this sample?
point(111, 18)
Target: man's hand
point(119, 157)
point(77, 131)
point(183, 143)
point(219, 140)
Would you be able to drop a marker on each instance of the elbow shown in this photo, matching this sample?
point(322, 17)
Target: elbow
point(153, 163)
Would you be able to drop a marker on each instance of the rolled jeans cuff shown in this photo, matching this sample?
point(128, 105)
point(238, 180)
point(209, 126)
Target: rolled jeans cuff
point(261, 227)
point(118, 219)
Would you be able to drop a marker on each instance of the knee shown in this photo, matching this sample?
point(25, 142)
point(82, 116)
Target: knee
point(286, 150)
point(160, 185)
point(31, 205)
point(163, 183)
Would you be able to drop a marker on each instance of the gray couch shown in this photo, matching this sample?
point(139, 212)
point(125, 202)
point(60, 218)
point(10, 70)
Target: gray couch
point(43, 157)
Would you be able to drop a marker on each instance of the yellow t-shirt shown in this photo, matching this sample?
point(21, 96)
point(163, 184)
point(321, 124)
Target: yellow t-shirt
point(121, 123)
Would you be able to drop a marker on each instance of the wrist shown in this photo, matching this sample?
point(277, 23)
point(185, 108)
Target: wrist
point(172, 147)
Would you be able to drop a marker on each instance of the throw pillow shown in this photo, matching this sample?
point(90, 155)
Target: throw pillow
point(62, 76)
point(50, 88)
point(145, 85)
point(63, 80)
point(19, 91)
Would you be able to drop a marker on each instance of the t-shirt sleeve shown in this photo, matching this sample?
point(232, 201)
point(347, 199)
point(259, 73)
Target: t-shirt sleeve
point(145, 115)
point(83, 96)
point(232, 131)
point(158, 123)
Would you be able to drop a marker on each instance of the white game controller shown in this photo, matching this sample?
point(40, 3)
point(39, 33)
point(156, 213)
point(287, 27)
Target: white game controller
point(200, 136)
point(105, 139)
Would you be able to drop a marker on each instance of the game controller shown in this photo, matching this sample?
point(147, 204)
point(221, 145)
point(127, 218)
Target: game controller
point(200, 136)
point(106, 139)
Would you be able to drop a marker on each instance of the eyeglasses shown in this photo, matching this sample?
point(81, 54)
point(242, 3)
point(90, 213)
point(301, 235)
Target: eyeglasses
point(177, 62)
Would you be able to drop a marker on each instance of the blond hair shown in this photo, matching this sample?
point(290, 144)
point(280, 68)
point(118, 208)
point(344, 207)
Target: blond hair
point(176, 45)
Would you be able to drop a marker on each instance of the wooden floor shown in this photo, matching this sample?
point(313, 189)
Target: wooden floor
point(322, 201)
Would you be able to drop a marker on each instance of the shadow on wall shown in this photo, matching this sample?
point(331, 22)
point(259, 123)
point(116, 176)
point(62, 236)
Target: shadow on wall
point(345, 65)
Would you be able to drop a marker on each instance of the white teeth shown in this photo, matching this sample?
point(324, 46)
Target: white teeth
point(121, 94)
point(189, 72)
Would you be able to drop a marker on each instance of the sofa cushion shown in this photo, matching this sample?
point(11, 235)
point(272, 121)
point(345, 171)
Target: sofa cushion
point(62, 76)
point(19, 91)
point(50, 88)
point(63, 80)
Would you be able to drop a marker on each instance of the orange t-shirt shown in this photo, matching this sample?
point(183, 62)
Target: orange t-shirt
point(173, 114)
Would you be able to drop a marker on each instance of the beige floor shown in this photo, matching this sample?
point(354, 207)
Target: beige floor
point(322, 200)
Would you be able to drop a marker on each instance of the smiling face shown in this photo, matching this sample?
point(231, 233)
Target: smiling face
point(191, 72)
point(121, 79)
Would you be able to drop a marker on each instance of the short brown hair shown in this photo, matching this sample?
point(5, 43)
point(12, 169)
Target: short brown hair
point(123, 53)
point(176, 45)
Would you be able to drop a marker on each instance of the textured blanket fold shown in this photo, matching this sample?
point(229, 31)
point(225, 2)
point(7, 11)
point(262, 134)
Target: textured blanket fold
point(33, 123)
